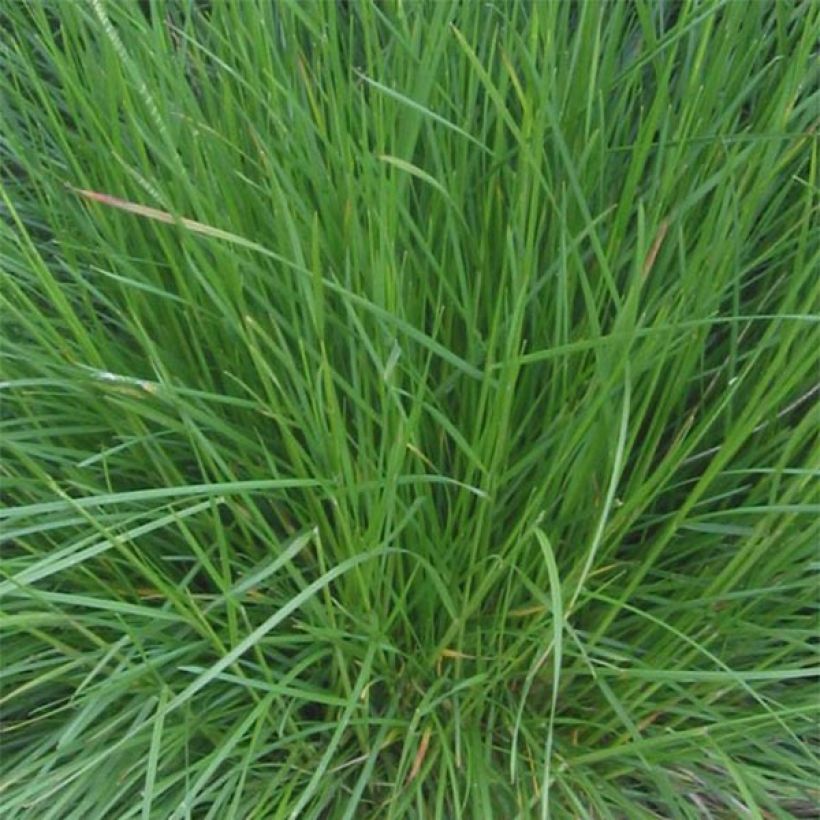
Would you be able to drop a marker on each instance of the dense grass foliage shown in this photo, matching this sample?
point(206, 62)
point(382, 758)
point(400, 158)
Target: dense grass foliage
point(408, 409)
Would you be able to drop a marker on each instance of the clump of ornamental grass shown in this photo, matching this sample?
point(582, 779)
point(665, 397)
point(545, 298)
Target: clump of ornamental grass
point(409, 409)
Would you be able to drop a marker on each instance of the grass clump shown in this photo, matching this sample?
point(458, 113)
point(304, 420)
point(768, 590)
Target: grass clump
point(408, 409)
